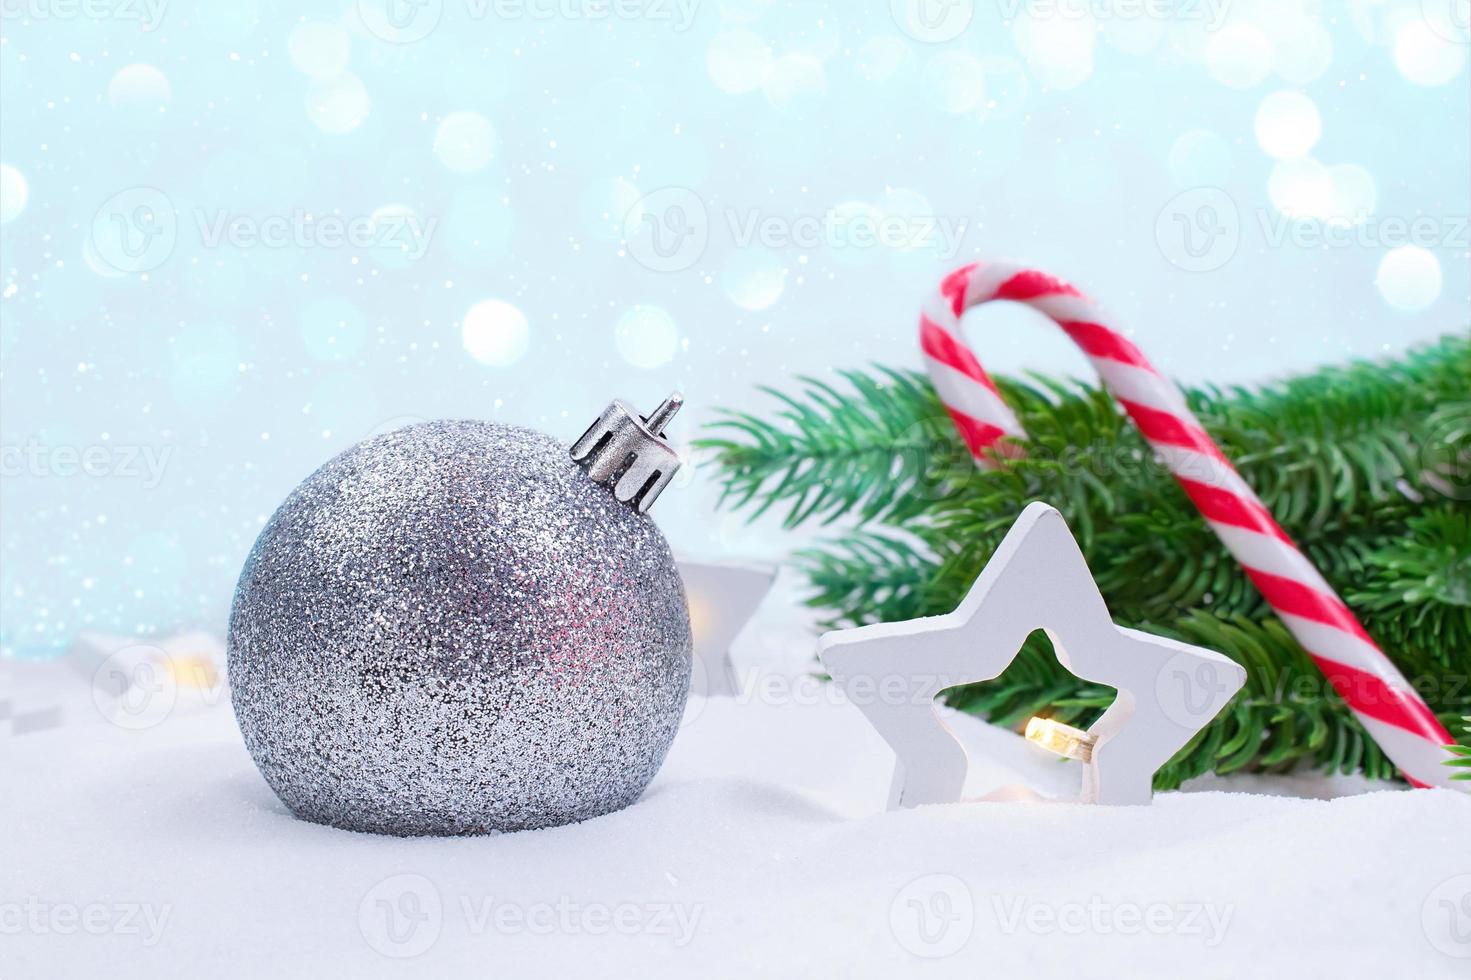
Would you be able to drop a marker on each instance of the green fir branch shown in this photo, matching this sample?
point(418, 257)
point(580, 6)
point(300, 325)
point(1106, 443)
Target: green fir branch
point(870, 571)
point(882, 449)
point(1368, 466)
point(1416, 587)
point(1311, 446)
point(1461, 751)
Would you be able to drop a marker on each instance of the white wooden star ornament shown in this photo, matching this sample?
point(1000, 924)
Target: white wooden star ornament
point(723, 596)
point(1037, 579)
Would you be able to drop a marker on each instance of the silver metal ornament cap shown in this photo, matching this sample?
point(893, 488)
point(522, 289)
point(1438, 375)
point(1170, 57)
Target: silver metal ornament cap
point(627, 451)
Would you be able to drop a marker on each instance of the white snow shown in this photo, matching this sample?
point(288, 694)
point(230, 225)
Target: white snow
point(761, 849)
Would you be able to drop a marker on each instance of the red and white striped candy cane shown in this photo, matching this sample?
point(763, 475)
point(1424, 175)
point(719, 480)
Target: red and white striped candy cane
point(1389, 708)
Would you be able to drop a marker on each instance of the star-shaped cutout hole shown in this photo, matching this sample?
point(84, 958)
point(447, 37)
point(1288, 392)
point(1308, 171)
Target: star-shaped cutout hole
point(1037, 579)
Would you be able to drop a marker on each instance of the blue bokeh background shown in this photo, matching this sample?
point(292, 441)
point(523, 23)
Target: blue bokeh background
point(239, 237)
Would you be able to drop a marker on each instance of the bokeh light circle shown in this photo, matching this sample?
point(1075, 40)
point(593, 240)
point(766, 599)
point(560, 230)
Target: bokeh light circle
point(796, 84)
point(1355, 194)
point(1424, 57)
point(1239, 56)
point(339, 104)
point(1301, 49)
point(881, 58)
point(495, 333)
point(1301, 188)
point(464, 141)
point(753, 278)
point(14, 193)
point(955, 80)
point(1059, 50)
point(139, 86)
point(646, 337)
point(1409, 278)
point(1287, 124)
point(400, 236)
point(320, 50)
point(738, 61)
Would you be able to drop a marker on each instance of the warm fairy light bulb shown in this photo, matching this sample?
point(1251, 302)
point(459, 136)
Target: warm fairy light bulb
point(193, 671)
point(1064, 740)
point(701, 621)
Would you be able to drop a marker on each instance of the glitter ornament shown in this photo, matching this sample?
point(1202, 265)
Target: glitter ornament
point(461, 628)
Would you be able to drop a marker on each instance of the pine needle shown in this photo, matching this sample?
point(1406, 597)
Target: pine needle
point(1367, 465)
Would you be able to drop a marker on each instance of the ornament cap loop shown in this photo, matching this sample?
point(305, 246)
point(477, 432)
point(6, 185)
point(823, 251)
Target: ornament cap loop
point(627, 452)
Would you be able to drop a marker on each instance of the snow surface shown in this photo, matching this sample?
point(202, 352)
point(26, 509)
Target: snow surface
point(761, 849)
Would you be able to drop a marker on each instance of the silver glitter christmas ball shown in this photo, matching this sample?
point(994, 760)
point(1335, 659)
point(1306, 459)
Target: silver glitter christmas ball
point(455, 628)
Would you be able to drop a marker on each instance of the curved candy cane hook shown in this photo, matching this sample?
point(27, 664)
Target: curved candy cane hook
point(1379, 695)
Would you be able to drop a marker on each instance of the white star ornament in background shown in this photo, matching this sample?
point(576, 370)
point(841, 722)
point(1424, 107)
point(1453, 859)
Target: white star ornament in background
point(723, 596)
